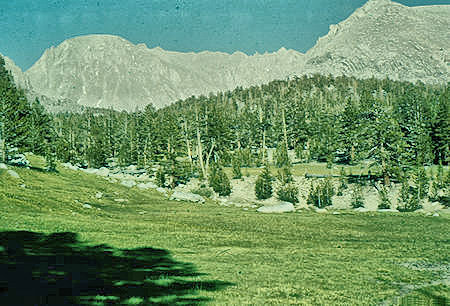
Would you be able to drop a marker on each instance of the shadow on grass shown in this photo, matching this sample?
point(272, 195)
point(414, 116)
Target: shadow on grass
point(437, 300)
point(56, 269)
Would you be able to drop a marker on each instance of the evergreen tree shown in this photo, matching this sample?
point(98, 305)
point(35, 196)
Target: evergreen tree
point(321, 196)
point(385, 203)
point(236, 163)
point(263, 185)
point(281, 156)
point(357, 196)
point(218, 180)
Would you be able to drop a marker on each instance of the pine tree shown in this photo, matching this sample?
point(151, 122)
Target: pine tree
point(281, 156)
point(357, 200)
point(218, 180)
point(385, 203)
point(263, 185)
point(236, 163)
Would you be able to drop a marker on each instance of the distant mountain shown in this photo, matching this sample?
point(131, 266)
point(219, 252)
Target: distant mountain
point(381, 39)
point(105, 70)
point(386, 39)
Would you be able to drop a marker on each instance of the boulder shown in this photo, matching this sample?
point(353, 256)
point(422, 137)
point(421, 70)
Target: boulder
point(162, 190)
point(99, 195)
point(388, 210)
point(87, 206)
point(361, 209)
point(90, 170)
point(128, 183)
point(278, 208)
point(103, 171)
point(3, 166)
point(320, 210)
point(13, 174)
point(146, 186)
point(187, 196)
point(435, 215)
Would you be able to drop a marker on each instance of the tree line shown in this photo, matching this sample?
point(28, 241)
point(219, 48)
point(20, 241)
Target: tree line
point(397, 125)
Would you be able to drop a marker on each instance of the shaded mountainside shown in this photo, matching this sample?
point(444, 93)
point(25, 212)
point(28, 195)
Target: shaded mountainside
point(386, 39)
point(381, 39)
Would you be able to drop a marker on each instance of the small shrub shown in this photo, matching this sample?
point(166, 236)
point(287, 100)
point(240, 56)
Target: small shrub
point(203, 191)
point(263, 185)
point(357, 196)
point(218, 180)
point(288, 193)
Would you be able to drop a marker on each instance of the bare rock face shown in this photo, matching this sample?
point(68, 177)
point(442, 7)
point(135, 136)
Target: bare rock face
point(105, 70)
point(386, 39)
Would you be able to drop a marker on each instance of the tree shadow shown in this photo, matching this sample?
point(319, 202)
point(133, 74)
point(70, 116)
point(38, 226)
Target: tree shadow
point(57, 269)
point(437, 300)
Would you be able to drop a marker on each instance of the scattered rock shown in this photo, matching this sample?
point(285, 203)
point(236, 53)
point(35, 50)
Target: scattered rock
point(90, 170)
point(103, 172)
point(147, 186)
point(128, 183)
point(388, 210)
point(162, 190)
point(3, 166)
point(279, 208)
point(99, 195)
point(187, 196)
point(361, 209)
point(87, 206)
point(13, 174)
point(321, 210)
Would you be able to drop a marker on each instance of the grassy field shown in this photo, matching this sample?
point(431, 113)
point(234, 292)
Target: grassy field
point(141, 248)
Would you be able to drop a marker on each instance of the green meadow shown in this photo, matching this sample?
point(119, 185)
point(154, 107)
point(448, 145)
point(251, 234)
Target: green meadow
point(63, 243)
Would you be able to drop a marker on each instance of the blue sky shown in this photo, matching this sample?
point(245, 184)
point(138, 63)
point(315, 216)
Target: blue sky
point(28, 27)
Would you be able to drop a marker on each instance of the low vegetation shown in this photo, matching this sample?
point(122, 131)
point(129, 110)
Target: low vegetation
point(239, 257)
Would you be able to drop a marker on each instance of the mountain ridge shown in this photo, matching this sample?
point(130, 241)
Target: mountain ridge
point(380, 39)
